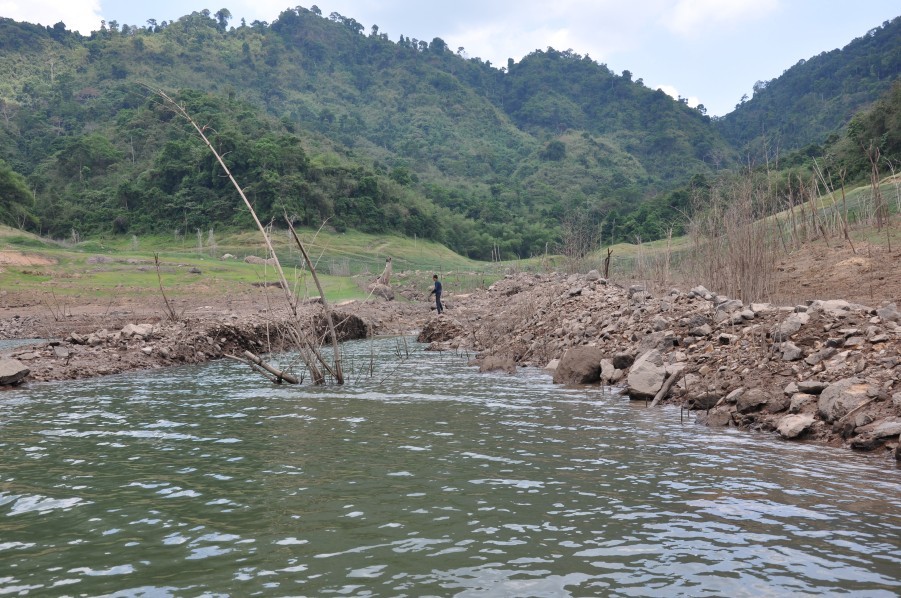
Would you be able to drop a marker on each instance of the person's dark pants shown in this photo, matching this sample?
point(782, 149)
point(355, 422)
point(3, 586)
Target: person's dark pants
point(438, 305)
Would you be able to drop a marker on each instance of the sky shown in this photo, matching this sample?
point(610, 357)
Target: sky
point(708, 51)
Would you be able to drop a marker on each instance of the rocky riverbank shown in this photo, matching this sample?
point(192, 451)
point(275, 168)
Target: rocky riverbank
point(828, 371)
point(823, 371)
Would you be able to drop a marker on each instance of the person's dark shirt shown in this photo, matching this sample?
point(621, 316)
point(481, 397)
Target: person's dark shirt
point(437, 287)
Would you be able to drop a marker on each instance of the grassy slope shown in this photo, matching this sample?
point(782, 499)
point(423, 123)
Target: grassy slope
point(127, 265)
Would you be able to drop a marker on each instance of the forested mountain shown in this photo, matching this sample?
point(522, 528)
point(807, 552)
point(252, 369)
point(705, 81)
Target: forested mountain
point(817, 96)
point(326, 122)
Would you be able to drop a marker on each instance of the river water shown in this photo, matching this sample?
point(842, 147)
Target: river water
point(420, 477)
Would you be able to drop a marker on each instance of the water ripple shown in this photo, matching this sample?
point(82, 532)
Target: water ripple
point(427, 478)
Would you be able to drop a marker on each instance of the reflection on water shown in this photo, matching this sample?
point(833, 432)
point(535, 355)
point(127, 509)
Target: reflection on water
point(424, 478)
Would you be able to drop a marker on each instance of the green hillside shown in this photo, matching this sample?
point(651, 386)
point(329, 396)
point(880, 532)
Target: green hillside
point(817, 96)
point(329, 124)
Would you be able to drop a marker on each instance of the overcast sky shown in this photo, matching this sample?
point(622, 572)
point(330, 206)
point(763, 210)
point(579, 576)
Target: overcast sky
point(709, 51)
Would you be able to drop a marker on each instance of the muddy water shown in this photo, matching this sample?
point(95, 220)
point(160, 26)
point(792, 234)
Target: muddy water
point(422, 478)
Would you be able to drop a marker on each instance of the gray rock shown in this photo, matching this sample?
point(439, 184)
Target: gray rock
point(649, 342)
point(730, 305)
point(623, 361)
point(813, 387)
point(792, 426)
point(791, 388)
point(777, 404)
point(579, 365)
point(884, 428)
point(791, 325)
point(841, 397)
point(751, 400)
point(834, 307)
point(12, 372)
point(821, 355)
point(717, 418)
point(607, 370)
point(701, 292)
point(799, 400)
point(695, 320)
point(733, 396)
point(593, 276)
point(896, 400)
point(660, 323)
point(61, 352)
point(791, 352)
point(889, 313)
point(646, 376)
point(704, 330)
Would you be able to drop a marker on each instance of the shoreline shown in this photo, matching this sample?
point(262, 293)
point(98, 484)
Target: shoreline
point(828, 372)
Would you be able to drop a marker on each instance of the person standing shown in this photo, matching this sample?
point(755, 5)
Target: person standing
point(437, 292)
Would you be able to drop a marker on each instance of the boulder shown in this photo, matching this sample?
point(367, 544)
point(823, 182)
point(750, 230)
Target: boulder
point(579, 365)
point(12, 372)
point(799, 400)
point(607, 370)
point(792, 426)
point(791, 325)
point(623, 361)
point(703, 330)
point(593, 276)
point(646, 376)
point(791, 352)
point(718, 418)
point(730, 305)
point(751, 400)
point(889, 313)
point(883, 428)
point(841, 397)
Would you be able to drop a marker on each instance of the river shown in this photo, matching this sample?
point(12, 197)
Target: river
point(420, 477)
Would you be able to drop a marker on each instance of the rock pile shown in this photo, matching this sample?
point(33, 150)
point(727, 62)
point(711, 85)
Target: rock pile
point(158, 344)
point(825, 370)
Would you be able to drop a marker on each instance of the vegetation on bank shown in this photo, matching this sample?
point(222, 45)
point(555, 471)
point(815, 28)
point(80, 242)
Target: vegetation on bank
point(329, 124)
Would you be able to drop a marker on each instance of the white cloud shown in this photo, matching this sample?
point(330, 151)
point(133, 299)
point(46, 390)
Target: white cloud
point(691, 18)
point(78, 15)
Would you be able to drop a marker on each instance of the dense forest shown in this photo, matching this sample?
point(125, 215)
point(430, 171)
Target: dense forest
point(325, 122)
